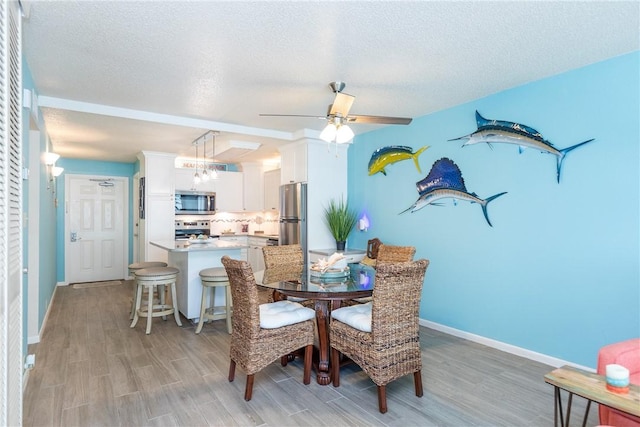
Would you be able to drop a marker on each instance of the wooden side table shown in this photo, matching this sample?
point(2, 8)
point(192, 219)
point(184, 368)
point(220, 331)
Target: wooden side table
point(592, 387)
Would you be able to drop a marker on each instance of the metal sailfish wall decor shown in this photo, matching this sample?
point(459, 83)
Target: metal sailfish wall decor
point(445, 181)
point(383, 157)
point(500, 131)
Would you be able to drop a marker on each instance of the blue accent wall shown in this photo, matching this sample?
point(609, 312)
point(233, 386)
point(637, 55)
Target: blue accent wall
point(90, 167)
point(559, 271)
point(46, 220)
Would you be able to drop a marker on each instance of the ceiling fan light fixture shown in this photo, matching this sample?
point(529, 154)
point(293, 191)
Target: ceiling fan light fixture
point(344, 134)
point(329, 132)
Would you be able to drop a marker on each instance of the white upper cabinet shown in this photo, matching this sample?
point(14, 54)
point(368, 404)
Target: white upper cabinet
point(272, 190)
point(184, 179)
point(154, 167)
point(229, 191)
point(253, 198)
point(293, 163)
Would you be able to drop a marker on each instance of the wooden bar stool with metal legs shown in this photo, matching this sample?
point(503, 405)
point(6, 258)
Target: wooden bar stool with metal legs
point(213, 278)
point(150, 278)
point(139, 266)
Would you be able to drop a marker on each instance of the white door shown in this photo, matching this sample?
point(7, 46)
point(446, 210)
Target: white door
point(95, 246)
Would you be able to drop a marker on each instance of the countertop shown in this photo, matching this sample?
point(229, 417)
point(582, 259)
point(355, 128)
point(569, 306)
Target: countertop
point(264, 236)
point(186, 246)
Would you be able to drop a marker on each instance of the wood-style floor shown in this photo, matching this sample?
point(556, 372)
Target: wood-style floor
point(93, 370)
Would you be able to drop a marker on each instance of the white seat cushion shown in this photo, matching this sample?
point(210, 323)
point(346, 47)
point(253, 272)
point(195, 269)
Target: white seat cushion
point(282, 313)
point(357, 316)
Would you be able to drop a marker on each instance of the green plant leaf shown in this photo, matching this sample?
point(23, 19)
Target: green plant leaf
point(340, 218)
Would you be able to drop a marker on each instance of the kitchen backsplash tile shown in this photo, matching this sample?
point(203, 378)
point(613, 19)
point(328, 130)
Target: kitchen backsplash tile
point(257, 221)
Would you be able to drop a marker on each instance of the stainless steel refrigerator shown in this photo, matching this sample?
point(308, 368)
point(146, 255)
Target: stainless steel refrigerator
point(293, 215)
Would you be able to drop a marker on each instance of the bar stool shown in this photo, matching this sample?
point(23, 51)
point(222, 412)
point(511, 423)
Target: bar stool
point(149, 278)
point(213, 278)
point(139, 266)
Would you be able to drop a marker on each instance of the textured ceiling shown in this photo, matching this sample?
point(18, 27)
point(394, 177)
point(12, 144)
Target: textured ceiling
point(117, 77)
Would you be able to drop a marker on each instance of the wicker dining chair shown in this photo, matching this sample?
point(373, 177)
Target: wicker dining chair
point(373, 245)
point(390, 253)
point(383, 336)
point(386, 253)
point(284, 262)
point(256, 344)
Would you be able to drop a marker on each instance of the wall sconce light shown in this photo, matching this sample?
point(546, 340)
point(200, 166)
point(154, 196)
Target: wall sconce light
point(363, 223)
point(50, 158)
point(56, 171)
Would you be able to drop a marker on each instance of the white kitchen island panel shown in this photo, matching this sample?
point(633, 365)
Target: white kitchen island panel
point(190, 259)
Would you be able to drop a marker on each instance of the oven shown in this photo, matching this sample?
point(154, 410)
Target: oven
point(187, 228)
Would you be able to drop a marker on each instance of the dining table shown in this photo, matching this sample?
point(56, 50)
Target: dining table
point(328, 290)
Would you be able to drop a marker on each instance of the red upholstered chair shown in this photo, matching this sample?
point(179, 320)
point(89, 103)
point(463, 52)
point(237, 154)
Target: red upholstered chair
point(627, 354)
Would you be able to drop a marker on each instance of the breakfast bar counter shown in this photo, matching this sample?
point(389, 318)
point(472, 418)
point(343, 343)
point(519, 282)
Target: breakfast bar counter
point(190, 258)
point(197, 245)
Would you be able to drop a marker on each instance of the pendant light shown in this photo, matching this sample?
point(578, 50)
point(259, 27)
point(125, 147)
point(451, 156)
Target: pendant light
point(196, 176)
point(205, 175)
point(213, 174)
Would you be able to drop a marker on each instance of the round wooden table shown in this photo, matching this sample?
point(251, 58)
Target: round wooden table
point(327, 292)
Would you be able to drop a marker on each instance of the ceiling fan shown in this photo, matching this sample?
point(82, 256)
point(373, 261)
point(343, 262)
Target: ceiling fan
point(338, 116)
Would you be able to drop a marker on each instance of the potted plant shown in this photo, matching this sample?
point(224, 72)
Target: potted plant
point(340, 219)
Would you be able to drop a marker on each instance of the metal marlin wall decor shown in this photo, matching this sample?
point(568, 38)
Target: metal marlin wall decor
point(500, 131)
point(383, 157)
point(445, 181)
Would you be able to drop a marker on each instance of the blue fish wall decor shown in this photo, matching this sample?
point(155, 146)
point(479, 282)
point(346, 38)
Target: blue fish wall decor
point(445, 181)
point(383, 157)
point(500, 131)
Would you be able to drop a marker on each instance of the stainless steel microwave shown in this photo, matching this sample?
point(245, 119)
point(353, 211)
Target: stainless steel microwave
point(195, 203)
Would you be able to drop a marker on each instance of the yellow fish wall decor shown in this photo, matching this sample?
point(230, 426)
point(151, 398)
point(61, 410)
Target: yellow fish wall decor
point(383, 157)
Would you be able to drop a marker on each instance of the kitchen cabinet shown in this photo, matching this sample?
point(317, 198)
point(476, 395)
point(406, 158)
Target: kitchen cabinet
point(253, 196)
point(158, 222)
point(272, 190)
point(293, 163)
point(190, 259)
point(229, 191)
point(154, 167)
point(184, 179)
point(159, 225)
point(240, 240)
point(255, 256)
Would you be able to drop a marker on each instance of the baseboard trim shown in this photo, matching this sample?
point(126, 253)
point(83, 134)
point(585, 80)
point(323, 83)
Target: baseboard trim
point(36, 339)
point(25, 379)
point(498, 345)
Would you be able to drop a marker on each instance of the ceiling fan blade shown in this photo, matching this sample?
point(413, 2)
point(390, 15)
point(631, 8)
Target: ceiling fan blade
point(294, 115)
point(379, 120)
point(341, 104)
